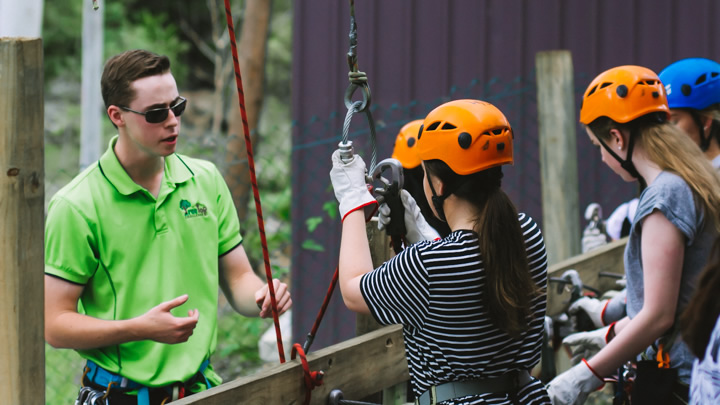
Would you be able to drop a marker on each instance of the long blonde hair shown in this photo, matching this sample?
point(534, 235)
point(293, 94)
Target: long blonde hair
point(673, 151)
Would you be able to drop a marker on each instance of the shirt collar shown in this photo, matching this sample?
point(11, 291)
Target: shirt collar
point(176, 170)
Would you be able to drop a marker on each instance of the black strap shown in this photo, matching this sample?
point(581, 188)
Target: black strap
point(508, 383)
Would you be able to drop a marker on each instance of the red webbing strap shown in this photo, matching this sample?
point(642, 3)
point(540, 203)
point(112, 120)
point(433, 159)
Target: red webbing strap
point(253, 179)
point(312, 378)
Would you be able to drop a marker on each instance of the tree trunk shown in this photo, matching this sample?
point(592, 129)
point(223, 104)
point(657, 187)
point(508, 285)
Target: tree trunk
point(251, 49)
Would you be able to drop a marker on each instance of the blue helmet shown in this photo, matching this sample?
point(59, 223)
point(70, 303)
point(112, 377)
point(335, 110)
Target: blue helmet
point(692, 83)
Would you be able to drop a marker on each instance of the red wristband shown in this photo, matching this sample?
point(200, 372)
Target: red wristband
point(593, 371)
point(610, 333)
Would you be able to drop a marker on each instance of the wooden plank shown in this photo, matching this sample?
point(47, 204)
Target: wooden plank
point(22, 201)
point(558, 154)
point(606, 259)
point(362, 365)
point(380, 252)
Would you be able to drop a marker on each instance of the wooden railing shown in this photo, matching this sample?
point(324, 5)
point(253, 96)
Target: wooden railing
point(376, 360)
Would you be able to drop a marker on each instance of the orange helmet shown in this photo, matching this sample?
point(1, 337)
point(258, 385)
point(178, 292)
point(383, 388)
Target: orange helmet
point(468, 135)
point(623, 94)
point(405, 150)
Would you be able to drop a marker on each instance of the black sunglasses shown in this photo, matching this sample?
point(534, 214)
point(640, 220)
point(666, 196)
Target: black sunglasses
point(158, 115)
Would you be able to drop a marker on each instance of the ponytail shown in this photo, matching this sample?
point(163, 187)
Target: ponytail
point(509, 287)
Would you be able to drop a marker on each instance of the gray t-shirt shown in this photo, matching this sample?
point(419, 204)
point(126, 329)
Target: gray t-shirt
point(670, 195)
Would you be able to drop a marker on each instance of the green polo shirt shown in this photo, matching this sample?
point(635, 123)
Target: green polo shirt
point(133, 251)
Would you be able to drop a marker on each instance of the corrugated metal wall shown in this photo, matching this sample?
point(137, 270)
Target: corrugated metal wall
point(420, 53)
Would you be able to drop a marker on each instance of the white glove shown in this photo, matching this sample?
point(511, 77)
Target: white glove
point(415, 225)
point(593, 238)
point(584, 345)
point(593, 307)
point(573, 386)
point(351, 191)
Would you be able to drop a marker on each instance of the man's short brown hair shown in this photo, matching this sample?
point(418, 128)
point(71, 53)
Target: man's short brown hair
point(123, 69)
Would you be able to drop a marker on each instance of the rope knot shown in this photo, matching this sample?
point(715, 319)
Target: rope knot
point(312, 378)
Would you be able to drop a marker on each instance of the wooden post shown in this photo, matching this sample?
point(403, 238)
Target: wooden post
point(558, 155)
point(22, 200)
point(380, 251)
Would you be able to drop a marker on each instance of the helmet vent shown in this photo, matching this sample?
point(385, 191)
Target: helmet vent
point(501, 146)
point(448, 125)
point(592, 91)
point(433, 126)
point(714, 74)
point(686, 89)
point(464, 140)
point(498, 131)
point(622, 91)
point(701, 79)
point(649, 82)
point(486, 146)
point(602, 86)
point(420, 131)
point(655, 94)
point(411, 142)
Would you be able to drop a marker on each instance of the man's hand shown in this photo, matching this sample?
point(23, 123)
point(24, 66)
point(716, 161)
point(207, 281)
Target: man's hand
point(160, 325)
point(282, 299)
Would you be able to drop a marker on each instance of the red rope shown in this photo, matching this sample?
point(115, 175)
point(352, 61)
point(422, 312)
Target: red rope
point(253, 179)
point(321, 313)
point(312, 378)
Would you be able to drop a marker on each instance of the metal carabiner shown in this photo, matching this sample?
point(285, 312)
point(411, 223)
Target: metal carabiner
point(357, 78)
point(395, 182)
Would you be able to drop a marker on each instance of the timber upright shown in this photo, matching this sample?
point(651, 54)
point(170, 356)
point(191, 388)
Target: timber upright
point(22, 202)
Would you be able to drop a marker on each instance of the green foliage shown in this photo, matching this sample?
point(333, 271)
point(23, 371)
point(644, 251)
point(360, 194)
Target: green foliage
point(143, 29)
point(309, 244)
point(127, 26)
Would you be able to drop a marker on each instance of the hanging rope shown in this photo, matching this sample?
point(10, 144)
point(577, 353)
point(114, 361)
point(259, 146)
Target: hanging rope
point(253, 179)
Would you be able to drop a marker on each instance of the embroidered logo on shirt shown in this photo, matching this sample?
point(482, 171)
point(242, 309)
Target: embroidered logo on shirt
point(193, 210)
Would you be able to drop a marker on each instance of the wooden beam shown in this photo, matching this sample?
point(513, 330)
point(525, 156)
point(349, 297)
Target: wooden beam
point(359, 366)
point(606, 259)
point(558, 155)
point(22, 202)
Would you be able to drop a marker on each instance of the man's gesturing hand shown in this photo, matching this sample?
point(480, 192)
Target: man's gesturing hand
point(162, 326)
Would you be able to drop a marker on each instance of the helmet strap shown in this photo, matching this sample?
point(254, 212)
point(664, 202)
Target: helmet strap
point(438, 201)
point(626, 164)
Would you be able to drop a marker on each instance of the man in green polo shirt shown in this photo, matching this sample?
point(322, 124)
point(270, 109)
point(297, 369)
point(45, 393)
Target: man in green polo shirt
point(137, 244)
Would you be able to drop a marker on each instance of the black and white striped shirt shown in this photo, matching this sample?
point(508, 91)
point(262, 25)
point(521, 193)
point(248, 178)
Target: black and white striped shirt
point(435, 290)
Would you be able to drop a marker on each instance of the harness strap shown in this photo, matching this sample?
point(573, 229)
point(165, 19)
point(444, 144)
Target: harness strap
point(509, 382)
point(102, 377)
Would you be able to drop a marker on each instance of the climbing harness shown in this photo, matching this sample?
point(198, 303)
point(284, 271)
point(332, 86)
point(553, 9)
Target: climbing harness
point(253, 179)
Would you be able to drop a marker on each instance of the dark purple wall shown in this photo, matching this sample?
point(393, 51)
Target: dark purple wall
point(420, 53)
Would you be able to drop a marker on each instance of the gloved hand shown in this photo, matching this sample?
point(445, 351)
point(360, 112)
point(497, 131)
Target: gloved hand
point(593, 238)
point(573, 386)
point(351, 191)
point(593, 307)
point(584, 345)
point(415, 225)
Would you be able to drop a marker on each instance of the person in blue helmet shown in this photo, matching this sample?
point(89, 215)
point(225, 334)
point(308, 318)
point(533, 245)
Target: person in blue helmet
point(693, 94)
